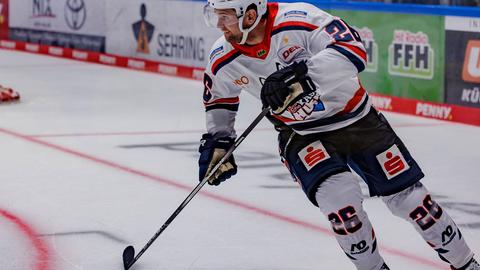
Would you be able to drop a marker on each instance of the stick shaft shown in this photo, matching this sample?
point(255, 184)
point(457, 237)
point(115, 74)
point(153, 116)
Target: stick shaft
point(194, 192)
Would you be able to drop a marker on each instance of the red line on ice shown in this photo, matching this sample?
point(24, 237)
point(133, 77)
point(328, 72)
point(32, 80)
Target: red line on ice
point(239, 204)
point(43, 256)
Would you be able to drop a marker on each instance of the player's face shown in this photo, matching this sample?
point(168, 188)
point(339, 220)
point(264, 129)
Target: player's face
point(227, 21)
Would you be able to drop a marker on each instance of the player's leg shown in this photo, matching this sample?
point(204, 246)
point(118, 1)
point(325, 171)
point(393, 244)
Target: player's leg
point(339, 198)
point(328, 183)
point(416, 205)
point(387, 167)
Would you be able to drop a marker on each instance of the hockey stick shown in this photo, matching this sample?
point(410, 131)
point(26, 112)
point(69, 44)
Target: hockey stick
point(129, 257)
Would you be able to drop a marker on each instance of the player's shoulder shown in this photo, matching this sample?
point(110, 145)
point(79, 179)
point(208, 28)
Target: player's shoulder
point(299, 12)
point(221, 53)
point(219, 49)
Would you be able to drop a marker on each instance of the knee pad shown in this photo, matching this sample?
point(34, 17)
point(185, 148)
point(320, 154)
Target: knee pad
point(437, 228)
point(340, 198)
point(403, 203)
point(339, 191)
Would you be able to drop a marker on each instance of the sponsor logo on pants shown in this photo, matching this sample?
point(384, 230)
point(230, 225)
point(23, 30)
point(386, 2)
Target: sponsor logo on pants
point(392, 162)
point(313, 154)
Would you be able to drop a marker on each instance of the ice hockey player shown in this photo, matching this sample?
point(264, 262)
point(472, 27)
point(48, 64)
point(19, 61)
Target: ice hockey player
point(303, 63)
point(8, 95)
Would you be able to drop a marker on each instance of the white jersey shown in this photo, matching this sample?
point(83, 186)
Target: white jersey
point(294, 32)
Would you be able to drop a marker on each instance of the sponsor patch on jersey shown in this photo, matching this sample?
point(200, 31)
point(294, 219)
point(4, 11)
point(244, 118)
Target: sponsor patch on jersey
point(392, 162)
point(289, 53)
point(305, 106)
point(242, 81)
point(313, 154)
point(295, 14)
point(216, 52)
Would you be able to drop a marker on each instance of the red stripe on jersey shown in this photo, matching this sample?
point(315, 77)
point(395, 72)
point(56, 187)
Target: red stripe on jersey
point(354, 101)
point(233, 100)
point(302, 24)
point(222, 59)
point(360, 52)
point(283, 119)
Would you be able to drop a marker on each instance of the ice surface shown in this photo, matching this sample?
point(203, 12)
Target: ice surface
point(95, 158)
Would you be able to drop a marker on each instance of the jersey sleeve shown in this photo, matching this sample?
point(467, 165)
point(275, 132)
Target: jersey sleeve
point(220, 99)
point(337, 51)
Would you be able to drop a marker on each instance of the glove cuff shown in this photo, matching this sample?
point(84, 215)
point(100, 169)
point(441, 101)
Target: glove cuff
point(208, 141)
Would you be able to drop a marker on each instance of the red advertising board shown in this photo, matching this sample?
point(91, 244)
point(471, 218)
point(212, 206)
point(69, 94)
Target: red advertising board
point(3, 19)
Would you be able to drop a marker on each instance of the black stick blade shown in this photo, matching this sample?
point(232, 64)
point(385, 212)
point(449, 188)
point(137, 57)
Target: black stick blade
point(128, 257)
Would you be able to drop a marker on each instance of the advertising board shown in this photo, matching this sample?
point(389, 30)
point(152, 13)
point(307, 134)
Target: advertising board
point(78, 24)
point(165, 31)
point(462, 57)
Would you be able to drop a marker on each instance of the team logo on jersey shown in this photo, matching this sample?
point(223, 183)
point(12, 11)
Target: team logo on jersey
point(411, 55)
point(313, 154)
point(289, 53)
point(392, 162)
point(261, 52)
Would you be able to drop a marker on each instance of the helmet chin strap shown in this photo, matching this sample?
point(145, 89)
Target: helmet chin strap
point(246, 31)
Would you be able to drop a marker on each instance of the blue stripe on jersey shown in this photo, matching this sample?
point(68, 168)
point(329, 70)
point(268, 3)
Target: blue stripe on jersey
point(230, 107)
point(354, 59)
point(329, 120)
point(226, 61)
point(291, 27)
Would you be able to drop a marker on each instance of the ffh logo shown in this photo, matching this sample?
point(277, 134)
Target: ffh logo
point(75, 14)
point(143, 31)
point(471, 65)
point(392, 162)
point(41, 8)
point(411, 55)
point(313, 154)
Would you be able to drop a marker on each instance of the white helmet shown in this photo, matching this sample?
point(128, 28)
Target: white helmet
point(240, 7)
